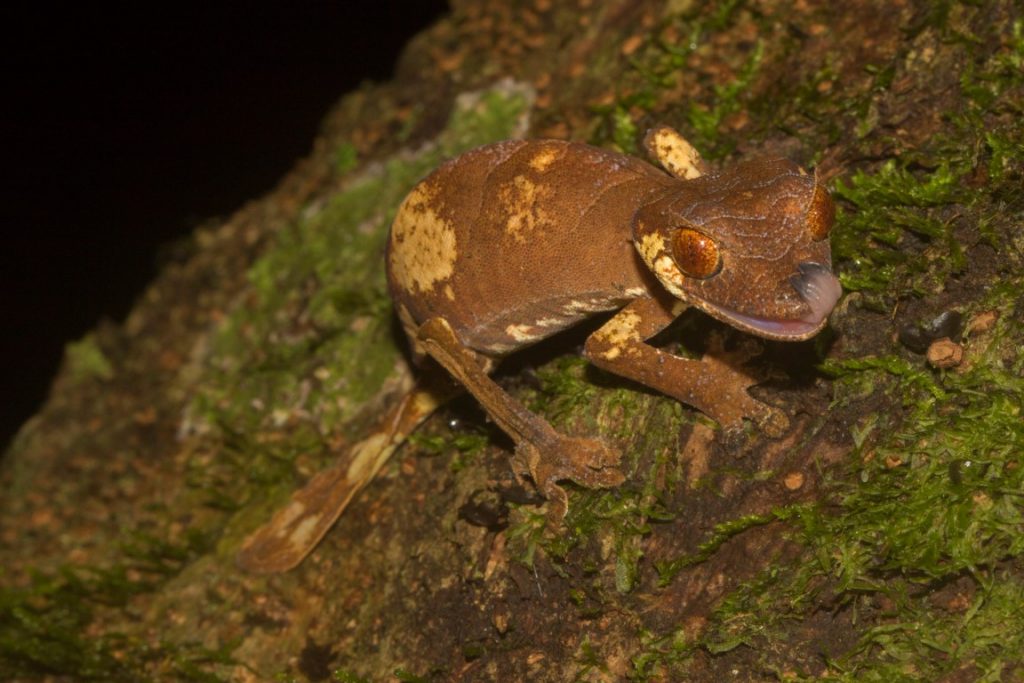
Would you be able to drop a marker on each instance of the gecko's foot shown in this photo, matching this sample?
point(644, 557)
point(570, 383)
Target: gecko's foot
point(771, 421)
point(588, 462)
point(731, 401)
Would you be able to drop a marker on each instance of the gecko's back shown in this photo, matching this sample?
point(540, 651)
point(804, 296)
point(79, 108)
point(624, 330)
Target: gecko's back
point(512, 242)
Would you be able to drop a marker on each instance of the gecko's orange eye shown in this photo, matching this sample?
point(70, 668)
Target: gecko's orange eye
point(820, 214)
point(695, 253)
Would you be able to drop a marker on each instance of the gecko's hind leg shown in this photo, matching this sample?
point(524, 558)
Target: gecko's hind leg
point(547, 455)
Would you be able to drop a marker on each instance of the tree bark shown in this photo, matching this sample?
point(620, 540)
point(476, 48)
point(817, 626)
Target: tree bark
point(880, 535)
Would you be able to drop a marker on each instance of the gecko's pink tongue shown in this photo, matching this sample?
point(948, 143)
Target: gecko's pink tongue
point(819, 288)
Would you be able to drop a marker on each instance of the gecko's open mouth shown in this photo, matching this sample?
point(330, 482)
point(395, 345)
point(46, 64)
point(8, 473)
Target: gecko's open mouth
point(819, 289)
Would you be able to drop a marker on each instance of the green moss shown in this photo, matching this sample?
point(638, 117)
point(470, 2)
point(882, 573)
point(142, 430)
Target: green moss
point(729, 98)
point(603, 525)
point(409, 677)
point(895, 214)
point(722, 533)
point(45, 625)
point(346, 158)
point(660, 655)
point(938, 493)
point(85, 360)
point(899, 231)
point(292, 362)
point(655, 71)
point(624, 130)
point(465, 445)
point(930, 498)
point(916, 548)
point(41, 630)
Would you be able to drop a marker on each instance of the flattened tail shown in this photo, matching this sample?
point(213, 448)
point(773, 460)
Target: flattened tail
point(292, 533)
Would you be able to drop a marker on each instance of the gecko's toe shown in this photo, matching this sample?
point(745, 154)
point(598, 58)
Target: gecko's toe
point(591, 463)
point(558, 505)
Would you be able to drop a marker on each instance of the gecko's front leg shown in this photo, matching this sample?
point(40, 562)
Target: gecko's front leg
point(715, 385)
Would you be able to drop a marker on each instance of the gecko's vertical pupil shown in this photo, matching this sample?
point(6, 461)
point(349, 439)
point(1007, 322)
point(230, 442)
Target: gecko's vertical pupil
point(695, 253)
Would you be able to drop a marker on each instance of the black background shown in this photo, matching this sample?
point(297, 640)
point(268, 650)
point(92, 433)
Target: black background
point(123, 129)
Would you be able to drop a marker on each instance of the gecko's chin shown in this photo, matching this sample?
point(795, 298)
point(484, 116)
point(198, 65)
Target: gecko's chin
point(784, 330)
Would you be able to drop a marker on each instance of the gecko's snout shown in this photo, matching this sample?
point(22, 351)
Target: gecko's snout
point(818, 287)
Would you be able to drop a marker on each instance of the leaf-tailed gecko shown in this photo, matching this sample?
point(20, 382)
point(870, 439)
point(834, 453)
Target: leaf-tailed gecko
point(513, 242)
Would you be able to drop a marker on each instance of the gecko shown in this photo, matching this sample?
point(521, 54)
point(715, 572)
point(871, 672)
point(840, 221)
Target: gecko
point(513, 242)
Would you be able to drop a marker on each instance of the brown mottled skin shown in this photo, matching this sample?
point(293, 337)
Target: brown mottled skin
point(513, 242)
point(570, 240)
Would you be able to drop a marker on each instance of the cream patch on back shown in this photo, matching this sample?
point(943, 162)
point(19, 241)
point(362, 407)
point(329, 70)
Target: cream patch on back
point(522, 201)
point(543, 159)
point(522, 332)
point(424, 247)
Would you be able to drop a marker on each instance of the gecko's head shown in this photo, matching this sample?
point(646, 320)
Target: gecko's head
point(749, 246)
